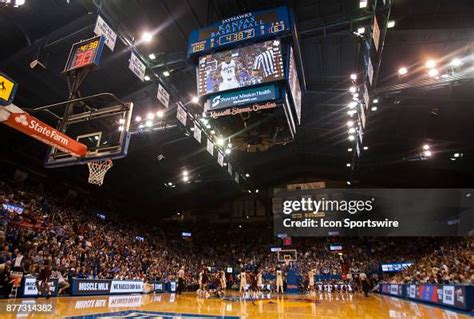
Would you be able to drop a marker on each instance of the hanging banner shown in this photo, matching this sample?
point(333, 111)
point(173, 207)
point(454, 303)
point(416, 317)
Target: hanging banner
point(370, 71)
point(236, 177)
point(163, 96)
point(197, 133)
point(181, 114)
point(137, 66)
point(294, 84)
point(210, 147)
point(220, 158)
point(229, 169)
point(102, 28)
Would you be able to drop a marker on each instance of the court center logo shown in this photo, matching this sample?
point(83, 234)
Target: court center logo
point(22, 120)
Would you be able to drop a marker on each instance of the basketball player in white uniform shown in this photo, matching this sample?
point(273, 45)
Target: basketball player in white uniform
point(279, 281)
point(228, 73)
point(243, 282)
point(260, 281)
point(223, 281)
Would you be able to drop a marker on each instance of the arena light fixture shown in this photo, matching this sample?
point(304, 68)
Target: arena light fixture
point(430, 64)
point(426, 147)
point(185, 173)
point(208, 126)
point(120, 128)
point(147, 37)
point(403, 70)
point(366, 148)
point(349, 149)
point(147, 78)
point(185, 178)
point(352, 130)
point(160, 114)
point(427, 153)
point(150, 116)
point(390, 24)
point(352, 104)
point(228, 151)
point(166, 73)
point(213, 132)
point(433, 72)
point(149, 123)
point(455, 62)
point(141, 126)
point(121, 121)
point(138, 118)
point(353, 76)
point(375, 101)
point(195, 100)
point(348, 164)
point(250, 191)
point(374, 108)
point(351, 112)
point(350, 123)
point(363, 4)
point(220, 141)
point(348, 183)
point(351, 137)
point(352, 89)
point(152, 56)
point(361, 30)
point(247, 175)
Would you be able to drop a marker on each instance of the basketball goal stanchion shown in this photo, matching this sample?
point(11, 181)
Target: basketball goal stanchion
point(97, 171)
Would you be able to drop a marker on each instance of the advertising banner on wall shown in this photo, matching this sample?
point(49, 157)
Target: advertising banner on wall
point(28, 287)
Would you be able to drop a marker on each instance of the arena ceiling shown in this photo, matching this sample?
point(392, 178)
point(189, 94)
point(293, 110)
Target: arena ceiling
point(409, 115)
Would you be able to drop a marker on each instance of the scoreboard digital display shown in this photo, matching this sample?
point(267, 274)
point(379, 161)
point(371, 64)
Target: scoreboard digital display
point(85, 54)
point(251, 25)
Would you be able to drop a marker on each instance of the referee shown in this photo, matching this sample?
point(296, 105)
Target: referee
point(264, 64)
point(180, 281)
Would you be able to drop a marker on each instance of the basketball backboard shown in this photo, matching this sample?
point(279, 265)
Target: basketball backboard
point(104, 130)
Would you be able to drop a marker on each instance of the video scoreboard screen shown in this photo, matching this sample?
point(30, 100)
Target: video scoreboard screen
point(248, 26)
point(85, 53)
point(395, 267)
point(240, 67)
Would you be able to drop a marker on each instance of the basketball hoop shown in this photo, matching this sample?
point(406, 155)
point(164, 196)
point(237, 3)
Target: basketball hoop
point(97, 171)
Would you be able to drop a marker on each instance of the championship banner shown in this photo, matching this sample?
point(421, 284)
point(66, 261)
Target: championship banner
point(137, 66)
point(181, 114)
point(21, 121)
point(210, 147)
point(252, 26)
point(102, 28)
point(7, 89)
point(197, 133)
point(163, 96)
point(220, 158)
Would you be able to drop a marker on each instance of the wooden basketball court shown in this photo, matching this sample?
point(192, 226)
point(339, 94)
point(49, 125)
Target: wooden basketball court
point(189, 306)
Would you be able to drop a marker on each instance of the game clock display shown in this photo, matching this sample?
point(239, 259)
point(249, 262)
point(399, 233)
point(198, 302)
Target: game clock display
point(84, 54)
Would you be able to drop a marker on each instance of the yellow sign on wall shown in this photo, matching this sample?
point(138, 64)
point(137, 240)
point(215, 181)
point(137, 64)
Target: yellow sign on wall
point(7, 89)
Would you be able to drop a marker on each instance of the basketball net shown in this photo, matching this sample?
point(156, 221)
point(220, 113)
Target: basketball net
point(97, 171)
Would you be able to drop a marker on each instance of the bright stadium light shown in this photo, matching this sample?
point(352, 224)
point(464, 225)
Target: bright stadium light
point(433, 72)
point(353, 76)
point(374, 108)
point(247, 175)
point(375, 101)
point(185, 178)
point(152, 56)
point(390, 24)
point(121, 121)
point(147, 37)
point(147, 78)
point(195, 100)
point(150, 116)
point(213, 132)
point(455, 62)
point(141, 126)
point(160, 114)
point(166, 73)
point(350, 123)
point(120, 128)
point(352, 130)
point(351, 137)
point(403, 70)
point(427, 153)
point(351, 112)
point(138, 118)
point(149, 123)
point(257, 190)
point(348, 164)
point(220, 141)
point(352, 89)
point(349, 149)
point(185, 173)
point(430, 64)
point(348, 183)
point(363, 4)
point(361, 30)
point(426, 147)
point(366, 148)
point(352, 104)
point(228, 151)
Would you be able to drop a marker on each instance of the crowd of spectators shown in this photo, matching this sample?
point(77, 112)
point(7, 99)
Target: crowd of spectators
point(36, 226)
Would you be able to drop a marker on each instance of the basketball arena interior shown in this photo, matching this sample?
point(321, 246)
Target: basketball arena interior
point(237, 159)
